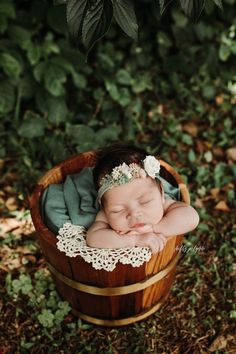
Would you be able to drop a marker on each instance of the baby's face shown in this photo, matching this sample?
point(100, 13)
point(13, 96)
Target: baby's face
point(130, 205)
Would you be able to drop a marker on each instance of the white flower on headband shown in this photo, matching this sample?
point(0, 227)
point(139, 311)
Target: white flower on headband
point(125, 169)
point(151, 166)
point(116, 173)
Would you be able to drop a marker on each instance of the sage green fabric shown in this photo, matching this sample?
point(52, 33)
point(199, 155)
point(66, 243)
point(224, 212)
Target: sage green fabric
point(170, 191)
point(75, 200)
point(53, 208)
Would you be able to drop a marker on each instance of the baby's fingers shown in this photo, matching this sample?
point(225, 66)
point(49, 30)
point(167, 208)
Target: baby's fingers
point(162, 238)
point(120, 232)
point(159, 245)
point(132, 233)
point(129, 233)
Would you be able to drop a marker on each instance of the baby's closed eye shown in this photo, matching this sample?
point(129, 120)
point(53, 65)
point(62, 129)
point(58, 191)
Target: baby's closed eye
point(116, 211)
point(145, 201)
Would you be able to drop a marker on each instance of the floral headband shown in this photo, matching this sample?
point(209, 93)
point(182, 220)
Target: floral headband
point(124, 173)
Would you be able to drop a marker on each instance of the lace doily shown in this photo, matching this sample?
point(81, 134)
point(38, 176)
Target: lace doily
point(71, 240)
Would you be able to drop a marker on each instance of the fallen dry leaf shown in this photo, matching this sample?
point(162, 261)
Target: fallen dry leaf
point(11, 204)
point(198, 203)
point(222, 206)
point(231, 153)
point(26, 228)
point(14, 263)
point(176, 351)
point(23, 250)
point(8, 224)
point(8, 189)
point(190, 128)
point(31, 258)
point(219, 343)
point(215, 192)
point(218, 152)
point(9, 259)
point(219, 99)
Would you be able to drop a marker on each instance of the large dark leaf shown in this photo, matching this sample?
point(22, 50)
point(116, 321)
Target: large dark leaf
point(164, 4)
point(7, 97)
point(96, 22)
point(59, 2)
point(125, 17)
point(75, 13)
point(33, 126)
point(192, 8)
point(219, 3)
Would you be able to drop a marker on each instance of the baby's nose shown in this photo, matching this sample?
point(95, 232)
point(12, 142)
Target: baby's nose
point(134, 213)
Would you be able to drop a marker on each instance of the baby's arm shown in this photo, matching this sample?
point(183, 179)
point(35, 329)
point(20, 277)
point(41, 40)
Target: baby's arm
point(178, 219)
point(100, 235)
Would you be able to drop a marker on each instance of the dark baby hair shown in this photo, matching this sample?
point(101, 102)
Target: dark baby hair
point(115, 155)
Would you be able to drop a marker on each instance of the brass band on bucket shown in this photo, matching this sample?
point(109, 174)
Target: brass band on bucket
point(121, 321)
point(115, 291)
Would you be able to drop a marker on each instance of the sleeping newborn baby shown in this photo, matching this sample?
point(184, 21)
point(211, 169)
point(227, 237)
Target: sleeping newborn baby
point(135, 211)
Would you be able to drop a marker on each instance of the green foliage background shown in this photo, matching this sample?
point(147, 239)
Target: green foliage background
point(173, 92)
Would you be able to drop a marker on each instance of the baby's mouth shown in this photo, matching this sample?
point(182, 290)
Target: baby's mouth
point(136, 226)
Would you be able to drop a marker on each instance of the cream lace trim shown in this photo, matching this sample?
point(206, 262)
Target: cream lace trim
point(71, 240)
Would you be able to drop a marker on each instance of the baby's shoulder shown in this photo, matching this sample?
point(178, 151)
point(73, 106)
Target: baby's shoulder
point(168, 202)
point(101, 216)
point(100, 222)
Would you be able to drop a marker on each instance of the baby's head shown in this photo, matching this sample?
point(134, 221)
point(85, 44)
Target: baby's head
point(127, 188)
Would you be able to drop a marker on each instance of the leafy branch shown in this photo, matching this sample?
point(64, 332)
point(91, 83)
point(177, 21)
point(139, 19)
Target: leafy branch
point(89, 20)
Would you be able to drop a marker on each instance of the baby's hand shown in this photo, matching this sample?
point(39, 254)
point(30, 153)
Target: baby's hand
point(120, 232)
point(140, 230)
point(156, 242)
point(127, 233)
point(153, 241)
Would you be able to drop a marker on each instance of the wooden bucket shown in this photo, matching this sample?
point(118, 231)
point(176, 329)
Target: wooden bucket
point(125, 295)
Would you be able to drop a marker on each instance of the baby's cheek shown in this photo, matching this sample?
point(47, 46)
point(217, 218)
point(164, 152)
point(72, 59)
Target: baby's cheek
point(120, 227)
point(115, 223)
point(156, 214)
point(160, 214)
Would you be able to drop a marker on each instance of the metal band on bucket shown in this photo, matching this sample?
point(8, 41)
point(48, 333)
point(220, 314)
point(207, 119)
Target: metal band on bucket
point(120, 321)
point(115, 291)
